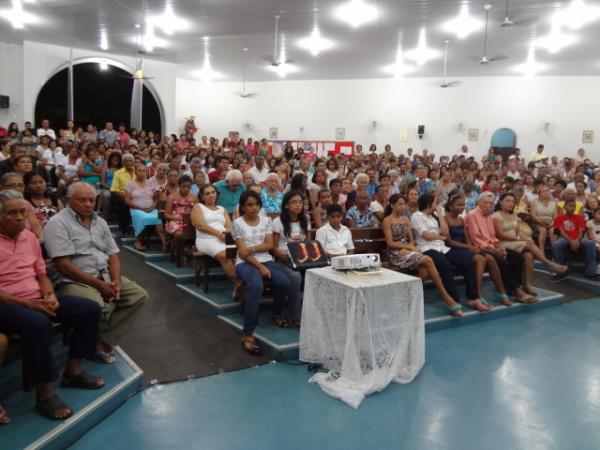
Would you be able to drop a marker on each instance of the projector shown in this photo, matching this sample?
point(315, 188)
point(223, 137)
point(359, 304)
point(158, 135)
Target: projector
point(356, 262)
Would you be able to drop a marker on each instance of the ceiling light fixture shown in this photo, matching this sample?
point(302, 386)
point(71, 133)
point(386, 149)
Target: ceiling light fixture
point(399, 68)
point(578, 14)
point(315, 43)
point(207, 74)
point(421, 54)
point(357, 13)
point(169, 22)
point(556, 40)
point(531, 67)
point(103, 39)
point(103, 65)
point(17, 16)
point(464, 24)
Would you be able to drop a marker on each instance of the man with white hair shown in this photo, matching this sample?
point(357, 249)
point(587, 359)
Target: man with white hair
point(230, 190)
point(482, 234)
point(85, 254)
point(28, 305)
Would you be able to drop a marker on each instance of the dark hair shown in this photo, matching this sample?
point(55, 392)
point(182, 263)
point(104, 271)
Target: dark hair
point(334, 181)
point(112, 156)
point(297, 181)
point(321, 192)
point(561, 182)
point(184, 179)
point(452, 200)
point(392, 201)
point(47, 194)
point(501, 199)
point(285, 214)
point(202, 189)
point(425, 201)
point(244, 198)
point(334, 208)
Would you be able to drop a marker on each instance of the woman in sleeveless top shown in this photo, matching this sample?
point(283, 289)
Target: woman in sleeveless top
point(177, 205)
point(212, 222)
point(36, 193)
point(543, 211)
point(506, 226)
point(403, 253)
point(458, 239)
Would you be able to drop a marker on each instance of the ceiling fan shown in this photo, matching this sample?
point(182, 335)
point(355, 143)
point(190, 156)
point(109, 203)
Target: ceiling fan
point(507, 22)
point(245, 94)
point(446, 83)
point(277, 60)
point(485, 59)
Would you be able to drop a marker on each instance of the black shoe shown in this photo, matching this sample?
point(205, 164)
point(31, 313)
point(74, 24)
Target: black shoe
point(558, 277)
point(594, 277)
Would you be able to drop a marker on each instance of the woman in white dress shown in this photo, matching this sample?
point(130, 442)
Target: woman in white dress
point(212, 222)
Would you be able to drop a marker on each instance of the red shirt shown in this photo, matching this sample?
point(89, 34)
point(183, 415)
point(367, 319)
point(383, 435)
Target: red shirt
point(20, 262)
point(570, 224)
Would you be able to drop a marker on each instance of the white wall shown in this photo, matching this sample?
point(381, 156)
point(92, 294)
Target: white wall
point(11, 82)
point(41, 60)
point(568, 104)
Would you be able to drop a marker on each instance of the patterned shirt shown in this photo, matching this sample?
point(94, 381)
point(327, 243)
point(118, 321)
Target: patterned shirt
point(361, 220)
point(272, 204)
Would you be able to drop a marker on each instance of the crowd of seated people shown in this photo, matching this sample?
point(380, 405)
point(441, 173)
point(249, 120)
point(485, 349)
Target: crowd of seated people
point(441, 216)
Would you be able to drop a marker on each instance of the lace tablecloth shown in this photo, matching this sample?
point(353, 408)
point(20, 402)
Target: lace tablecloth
point(366, 330)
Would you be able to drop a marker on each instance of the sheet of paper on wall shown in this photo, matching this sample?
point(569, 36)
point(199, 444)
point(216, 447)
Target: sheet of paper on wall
point(329, 148)
point(321, 152)
point(403, 135)
point(346, 150)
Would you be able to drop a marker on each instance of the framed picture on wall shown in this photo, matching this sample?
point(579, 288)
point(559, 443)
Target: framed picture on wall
point(340, 134)
point(403, 135)
point(473, 134)
point(273, 133)
point(588, 137)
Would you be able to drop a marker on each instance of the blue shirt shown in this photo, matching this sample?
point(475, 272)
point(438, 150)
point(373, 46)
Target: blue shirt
point(366, 220)
point(371, 189)
point(272, 205)
point(426, 186)
point(228, 199)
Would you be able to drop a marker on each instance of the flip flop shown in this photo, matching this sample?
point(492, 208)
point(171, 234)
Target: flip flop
point(503, 299)
point(103, 358)
point(528, 299)
point(50, 406)
point(474, 305)
point(456, 310)
point(82, 381)
point(251, 347)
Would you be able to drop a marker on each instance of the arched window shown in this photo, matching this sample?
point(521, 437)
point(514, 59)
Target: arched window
point(98, 96)
point(504, 138)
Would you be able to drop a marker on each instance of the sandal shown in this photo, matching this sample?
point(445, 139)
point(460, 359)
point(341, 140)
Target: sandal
point(4, 419)
point(479, 305)
point(103, 358)
point(50, 406)
point(82, 381)
point(295, 323)
point(528, 299)
point(456, 310)
point(250, 346)
point(528, 290)
point(139, 247)
point(503, 299)
point(279, 321)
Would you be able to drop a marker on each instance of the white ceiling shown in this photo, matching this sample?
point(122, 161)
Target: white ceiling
point(359, 53)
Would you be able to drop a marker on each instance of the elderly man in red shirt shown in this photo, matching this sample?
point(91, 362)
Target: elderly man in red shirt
point(482, 234)
point(28, 306)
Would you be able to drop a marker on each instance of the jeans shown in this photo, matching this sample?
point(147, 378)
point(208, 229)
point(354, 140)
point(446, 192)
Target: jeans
point(250, 275)
point(34, 327)
point(444, 268)
point(561, 249)
point(511, 269)
point(122, 212)
point(463, 259)
point(294, 295)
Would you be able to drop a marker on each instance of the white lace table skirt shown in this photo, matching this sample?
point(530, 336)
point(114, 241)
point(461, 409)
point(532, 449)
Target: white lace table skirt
point(368, 331)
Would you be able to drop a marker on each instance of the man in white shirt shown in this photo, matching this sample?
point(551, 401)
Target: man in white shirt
point(464, 151)
point(259, 171)
point(513, 170)
point(46, 130)
point(335, 238)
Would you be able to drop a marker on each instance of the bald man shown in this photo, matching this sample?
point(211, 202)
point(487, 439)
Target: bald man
point(85, 254)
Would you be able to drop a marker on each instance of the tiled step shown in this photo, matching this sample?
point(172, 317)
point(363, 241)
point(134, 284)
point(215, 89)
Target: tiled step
point(154, 253)
point(284, 343)
point(31, 431)
point(575, 279)
point(169, 269)
point(218, 300)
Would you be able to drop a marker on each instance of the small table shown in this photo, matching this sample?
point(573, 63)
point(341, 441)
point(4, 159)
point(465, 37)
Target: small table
point(368, 330)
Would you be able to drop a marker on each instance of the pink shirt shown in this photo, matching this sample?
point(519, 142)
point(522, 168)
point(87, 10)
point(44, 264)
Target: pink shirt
point(20, 262)
point(480, 229)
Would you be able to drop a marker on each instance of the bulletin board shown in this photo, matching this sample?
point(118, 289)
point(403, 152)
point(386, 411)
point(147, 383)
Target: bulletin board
point(314, 149)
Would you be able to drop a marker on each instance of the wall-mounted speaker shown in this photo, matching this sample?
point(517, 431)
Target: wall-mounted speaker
point(4, 101)
point(421, 131)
